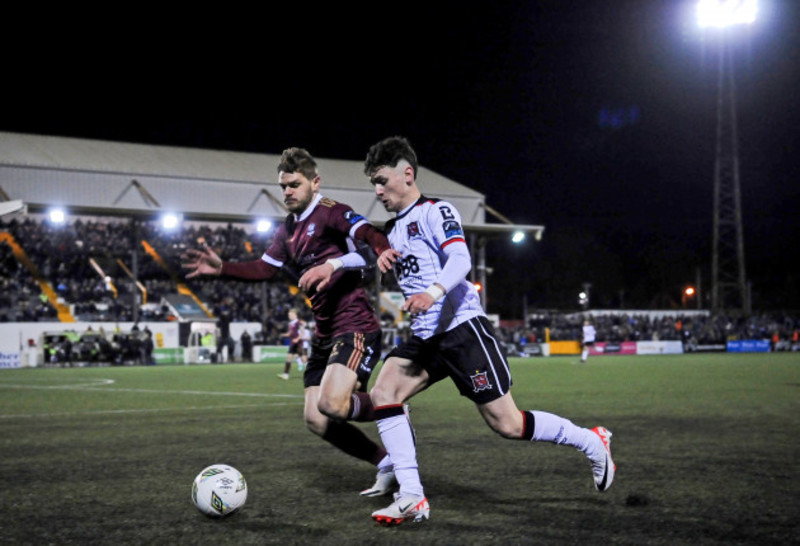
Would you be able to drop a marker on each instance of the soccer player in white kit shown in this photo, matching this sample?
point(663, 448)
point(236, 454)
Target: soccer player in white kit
point(451, 336)
point(589, 335)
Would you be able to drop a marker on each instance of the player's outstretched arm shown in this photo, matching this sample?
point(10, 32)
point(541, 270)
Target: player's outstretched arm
point(201, 262)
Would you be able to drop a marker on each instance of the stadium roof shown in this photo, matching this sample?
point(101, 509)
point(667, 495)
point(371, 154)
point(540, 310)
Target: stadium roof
point(113, 178)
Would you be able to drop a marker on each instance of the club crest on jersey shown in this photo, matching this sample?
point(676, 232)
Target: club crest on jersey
point(311, 228)
point(480, 382)
point(413, 229)
point(452, 228)
point(352, 217)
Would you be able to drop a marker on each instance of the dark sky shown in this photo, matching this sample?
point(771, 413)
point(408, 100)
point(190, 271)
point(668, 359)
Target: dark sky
point(596, 119)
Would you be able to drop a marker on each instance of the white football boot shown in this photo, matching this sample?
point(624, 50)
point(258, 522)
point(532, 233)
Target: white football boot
point(404, 508)
point(603, 468)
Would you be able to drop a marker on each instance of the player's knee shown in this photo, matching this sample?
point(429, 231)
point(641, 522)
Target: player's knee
point(316, 424)
point(333, 408)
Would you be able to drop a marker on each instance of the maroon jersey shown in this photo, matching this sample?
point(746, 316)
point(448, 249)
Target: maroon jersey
point(325, 230)
point(294, 330)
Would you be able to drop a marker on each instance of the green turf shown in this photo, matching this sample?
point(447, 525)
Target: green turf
point(706, 448)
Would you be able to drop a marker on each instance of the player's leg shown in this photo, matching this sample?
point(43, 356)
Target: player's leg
point(503, 416)
point(343, 386)
point(481, 373)
point(338, 433)
point(337, 391)
point(399, 380)
point(287, 365)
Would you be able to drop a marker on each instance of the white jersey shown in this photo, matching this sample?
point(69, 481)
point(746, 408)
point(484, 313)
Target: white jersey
point(589, 333)
point(305, 337)
point(421, 233)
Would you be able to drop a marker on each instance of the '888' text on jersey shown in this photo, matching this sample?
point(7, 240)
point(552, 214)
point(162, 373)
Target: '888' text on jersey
point(422, 234)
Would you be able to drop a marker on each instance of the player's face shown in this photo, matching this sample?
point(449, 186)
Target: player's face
point(393, 186)
point(298, 191)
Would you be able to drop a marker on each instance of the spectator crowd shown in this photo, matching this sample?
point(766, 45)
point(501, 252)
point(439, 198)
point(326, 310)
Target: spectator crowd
point(90, 263)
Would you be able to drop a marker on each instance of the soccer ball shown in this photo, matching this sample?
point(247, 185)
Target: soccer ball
point(219, 490)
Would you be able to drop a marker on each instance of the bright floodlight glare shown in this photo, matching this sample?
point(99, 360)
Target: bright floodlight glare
point(170, 221)
point(518, 237)
point(57, 216)
point(263, 226)
point(725, 13)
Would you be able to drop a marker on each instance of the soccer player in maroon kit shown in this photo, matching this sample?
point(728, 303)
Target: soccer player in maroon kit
point(296, 350)
point(317, 239)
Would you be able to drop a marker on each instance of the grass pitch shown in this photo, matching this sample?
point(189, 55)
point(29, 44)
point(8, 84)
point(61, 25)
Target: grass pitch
point(706, 448)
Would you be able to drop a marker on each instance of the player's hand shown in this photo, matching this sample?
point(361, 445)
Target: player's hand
point(201, 262)
point(316, 277)
point(418, 303)
point(387, 259)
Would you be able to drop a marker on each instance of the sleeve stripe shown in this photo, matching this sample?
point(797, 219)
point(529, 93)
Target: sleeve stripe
point(271, 261)
point(454, 240)
point(352, 233)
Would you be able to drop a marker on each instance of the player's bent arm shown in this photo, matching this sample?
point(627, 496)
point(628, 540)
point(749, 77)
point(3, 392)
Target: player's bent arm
point(376, 240)
point(255, 270)
point(456, 267)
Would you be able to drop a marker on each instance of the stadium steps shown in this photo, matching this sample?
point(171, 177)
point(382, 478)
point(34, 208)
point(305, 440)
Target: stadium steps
point(181, 286)
point(64, 314)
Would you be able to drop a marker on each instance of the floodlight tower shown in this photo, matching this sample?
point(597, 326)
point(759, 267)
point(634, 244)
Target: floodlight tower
point(728, 280)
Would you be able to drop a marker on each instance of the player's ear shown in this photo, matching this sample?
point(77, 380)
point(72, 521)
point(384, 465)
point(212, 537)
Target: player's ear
point(408, 172)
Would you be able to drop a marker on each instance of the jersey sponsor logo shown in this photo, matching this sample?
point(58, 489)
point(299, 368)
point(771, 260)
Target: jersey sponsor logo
point(480, 382)
point(311, 229)
point(352, 217)
point(413, 229)
point(452, 229)
point(405, 266)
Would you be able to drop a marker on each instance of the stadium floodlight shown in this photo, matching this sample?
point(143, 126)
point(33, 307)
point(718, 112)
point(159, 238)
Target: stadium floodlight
point(263, 226)
point(171, 220)
point(725, 13)
point(518, 237)
point(57, 216)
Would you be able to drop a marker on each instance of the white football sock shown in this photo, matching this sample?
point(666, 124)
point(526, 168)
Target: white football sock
point(398, 438)
point(552, 428)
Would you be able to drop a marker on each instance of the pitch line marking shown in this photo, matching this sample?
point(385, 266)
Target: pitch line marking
point(99, 385)
point(146, 410)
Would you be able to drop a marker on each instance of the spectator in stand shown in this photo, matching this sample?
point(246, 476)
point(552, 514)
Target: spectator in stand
point(247, 346)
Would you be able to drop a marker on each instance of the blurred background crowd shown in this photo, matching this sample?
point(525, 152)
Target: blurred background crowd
point(99, 266)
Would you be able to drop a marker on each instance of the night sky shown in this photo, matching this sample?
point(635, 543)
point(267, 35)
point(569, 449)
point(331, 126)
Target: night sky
point(595, 119)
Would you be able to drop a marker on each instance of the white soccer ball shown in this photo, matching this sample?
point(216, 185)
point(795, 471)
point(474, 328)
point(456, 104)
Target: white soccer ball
point(219, 490)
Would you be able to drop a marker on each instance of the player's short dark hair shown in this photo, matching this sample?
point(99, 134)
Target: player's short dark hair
point(388, 153)
point(298, 160)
